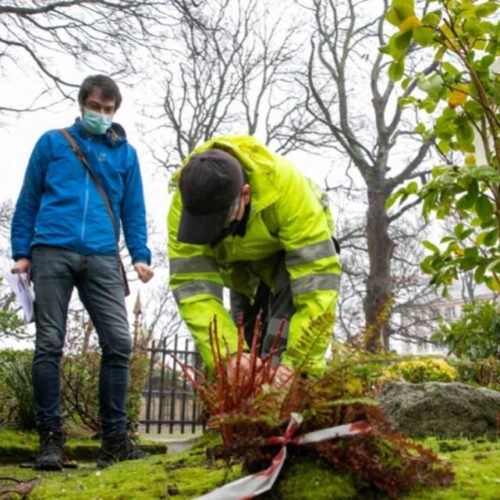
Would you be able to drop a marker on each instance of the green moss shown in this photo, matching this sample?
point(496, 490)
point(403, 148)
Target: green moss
point(189, 474)
point(477, 470)
point(314, 481)
point(181, 475)
point(18, 447)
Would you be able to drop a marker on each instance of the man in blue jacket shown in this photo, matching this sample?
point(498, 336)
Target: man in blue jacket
point(63, 235)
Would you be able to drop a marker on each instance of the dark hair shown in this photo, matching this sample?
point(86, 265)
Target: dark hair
point(104, 84)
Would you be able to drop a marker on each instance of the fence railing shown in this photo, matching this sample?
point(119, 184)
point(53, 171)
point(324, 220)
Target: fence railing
point(169, 402)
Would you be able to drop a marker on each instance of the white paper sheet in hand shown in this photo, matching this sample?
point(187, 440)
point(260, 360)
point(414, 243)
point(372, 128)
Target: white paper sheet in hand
point(21, 286)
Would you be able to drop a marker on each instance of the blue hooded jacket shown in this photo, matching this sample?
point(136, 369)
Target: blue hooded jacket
point(60, 206)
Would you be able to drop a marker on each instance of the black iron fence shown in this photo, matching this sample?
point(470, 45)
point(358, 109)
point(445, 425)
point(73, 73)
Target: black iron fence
point(169, 403)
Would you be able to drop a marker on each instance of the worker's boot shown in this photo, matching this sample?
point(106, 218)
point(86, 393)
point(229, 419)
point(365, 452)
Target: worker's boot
point(118, 448)
point(51, 455)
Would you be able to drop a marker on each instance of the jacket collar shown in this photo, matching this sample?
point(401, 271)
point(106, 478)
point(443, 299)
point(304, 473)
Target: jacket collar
point(114, 136)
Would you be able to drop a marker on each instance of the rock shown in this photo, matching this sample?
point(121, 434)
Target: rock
point(442, 409)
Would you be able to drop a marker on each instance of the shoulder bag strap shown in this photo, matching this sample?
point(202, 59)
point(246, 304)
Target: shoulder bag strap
point(98, 185)
point(95, 180)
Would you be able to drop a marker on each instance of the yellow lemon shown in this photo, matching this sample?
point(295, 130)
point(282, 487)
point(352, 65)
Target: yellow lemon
point(458, 95)
point(409, 23)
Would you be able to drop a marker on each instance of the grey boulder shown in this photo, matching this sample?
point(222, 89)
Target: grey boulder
point(442, 409)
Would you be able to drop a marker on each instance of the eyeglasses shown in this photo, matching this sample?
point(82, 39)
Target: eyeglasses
point(99, 107)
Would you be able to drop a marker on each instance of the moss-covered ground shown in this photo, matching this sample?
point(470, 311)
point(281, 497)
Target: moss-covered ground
point(188, 474)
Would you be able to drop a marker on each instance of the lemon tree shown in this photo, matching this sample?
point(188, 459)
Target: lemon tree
point(461, 98)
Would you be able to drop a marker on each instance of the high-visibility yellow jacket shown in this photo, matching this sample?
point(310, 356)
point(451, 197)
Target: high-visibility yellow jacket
point(288, 213)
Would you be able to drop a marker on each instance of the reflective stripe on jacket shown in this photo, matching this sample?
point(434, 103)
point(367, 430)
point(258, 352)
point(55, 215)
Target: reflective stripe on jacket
point(287, 214)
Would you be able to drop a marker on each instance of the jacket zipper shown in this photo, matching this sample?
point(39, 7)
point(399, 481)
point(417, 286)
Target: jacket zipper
point(85, 206)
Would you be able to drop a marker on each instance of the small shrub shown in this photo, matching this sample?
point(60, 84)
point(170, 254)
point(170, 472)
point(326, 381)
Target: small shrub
point(482, 372)
point(79, 391)
point(426, 370)
point(138, 377)
point(16, 391)
point(476, 335)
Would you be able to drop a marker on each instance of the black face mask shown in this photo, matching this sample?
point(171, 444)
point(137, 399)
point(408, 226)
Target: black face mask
point(234, 228)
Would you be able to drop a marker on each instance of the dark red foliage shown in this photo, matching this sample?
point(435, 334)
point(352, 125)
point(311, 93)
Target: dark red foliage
point(247, 408)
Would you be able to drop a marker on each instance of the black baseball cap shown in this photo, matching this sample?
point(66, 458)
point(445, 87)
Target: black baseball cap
point(209, 184)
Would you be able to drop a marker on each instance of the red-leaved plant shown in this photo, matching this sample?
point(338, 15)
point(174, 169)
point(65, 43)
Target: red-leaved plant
point(248, 406)
point(236, 392)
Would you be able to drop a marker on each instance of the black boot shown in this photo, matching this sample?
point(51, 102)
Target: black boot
point(118, 448)
point(51, 455)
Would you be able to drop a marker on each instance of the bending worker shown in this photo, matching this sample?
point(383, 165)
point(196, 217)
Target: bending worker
point(245, 218)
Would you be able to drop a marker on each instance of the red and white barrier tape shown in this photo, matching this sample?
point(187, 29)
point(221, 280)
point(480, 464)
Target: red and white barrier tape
point(251, 486)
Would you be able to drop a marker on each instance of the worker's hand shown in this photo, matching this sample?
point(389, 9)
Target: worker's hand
point(283, 377)
point(244, 368)
point(144, 272)
point(21, 266)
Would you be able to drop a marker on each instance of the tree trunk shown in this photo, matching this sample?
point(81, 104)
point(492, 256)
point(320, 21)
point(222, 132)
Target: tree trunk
point(377, 303)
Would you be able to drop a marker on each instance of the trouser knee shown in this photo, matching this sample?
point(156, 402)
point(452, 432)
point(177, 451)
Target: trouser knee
point(118, 352)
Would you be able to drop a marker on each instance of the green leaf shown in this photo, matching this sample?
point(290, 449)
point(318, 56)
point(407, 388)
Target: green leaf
point(445, 127)
point(492, 283)
point(480, 44)
point(472, 252)
point(402, 40)
point(474, 110)
point(465, 10)
point(494, 266)
point(406, 82)
point(385, 49)
point(465, 134)
point(396, 70)
point(444, 146)
point(405, 101)
point(493, 47)
point(430, 246)
point(486, 9)
point(485, 62)
point(458, 230)
point(399, 11)
point(427, 104)
point(484, 207)
point(433, 85)
point(469, 199)
point(468, 263)
point(420, 128)
point(474, 28)
point(412, 187)
point(440, 53)
point(423, 36)
point(462, 232)
point(393, 47)
point(479, 273)
point(490, 238)
point(449, 68)
point(400, 193)
point(432, 18)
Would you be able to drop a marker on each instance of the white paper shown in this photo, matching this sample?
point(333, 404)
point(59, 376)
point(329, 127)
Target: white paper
point(22, 287)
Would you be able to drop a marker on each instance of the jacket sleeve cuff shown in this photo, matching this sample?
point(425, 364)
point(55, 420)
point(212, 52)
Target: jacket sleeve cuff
point(19, 256)
point(142, 256)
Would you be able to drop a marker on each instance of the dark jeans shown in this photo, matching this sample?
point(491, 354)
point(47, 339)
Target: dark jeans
point(274, 306)
point(100, 286)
